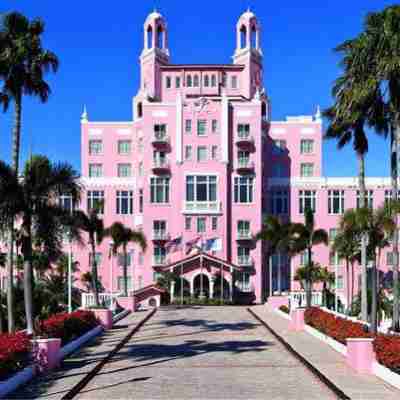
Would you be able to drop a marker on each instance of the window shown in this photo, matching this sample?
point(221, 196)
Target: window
point(201, 127)
point(140, 168)
point(189, 81)
point(95, 170)
point(65, 202)
point(243, 158)
point(369, 198)
point(306, 169)
point(140, 110)
point(332, 234)
point(340, 282)
point(214, 223)
point(160, 131)
point(160, 228)
point(196, 81)
point(120, 283)
point(213, 81)
point(307, 200)
point(159, 254)
point(214, 153)
point(206, 81)
point(243, 228)
point(95, 200)
point(243, 282)
point(279, 202)
point(201, 225)
point(201, 153)
point(188, 223)
point(177, 82)
point(335, 201)
point(214, 126)
point(201, 188)
point(160, 158)
point(95, 147)
point(124, 147)
point(124, 170)
point(121, 259)
point(140, 200)
point(188, 153)
point(243, 130)
point(279, 147)
point(188, 126)
point(98, 258)
point(223, 79)
point(243, 255)
point(334, 258)
point(304, 258)
point(124, 202)
point(159, 190)
point(140, 146)
point(234, 82)
point(306, 146)
point(244, 189)
point(168, 82)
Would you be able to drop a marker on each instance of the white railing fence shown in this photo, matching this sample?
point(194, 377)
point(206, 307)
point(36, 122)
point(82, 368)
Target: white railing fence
point(298, 299)
point(105, 299)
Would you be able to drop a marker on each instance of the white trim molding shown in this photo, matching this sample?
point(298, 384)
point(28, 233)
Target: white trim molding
point(107, 181)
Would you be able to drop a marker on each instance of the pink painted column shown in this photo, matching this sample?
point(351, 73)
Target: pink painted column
point(47, 352)
point(297, 319)
point(105, 317)
point(360, 354)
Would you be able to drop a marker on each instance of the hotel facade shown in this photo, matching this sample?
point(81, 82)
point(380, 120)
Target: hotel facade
point(202, 162)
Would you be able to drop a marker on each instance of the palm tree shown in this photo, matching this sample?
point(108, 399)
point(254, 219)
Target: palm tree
point(122, 236)
point(347, 245)
point(31, 200)
point(94, 227)
point(23, 63)
point(303, 237)
point(275, 234)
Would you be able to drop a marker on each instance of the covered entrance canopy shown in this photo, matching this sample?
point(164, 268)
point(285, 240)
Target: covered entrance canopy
point(204, 274)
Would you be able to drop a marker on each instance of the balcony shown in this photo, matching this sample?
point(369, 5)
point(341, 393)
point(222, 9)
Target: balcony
point(161, 166)
point(244, 140)
point(159, 261)
point(160, 139)
point(245, 166)
point(245, 261)
point(202, 207)
point(161, 236)
point(244, 234)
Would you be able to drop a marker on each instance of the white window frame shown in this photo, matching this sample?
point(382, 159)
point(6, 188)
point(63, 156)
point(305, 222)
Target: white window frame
point(123, 196)
point(305, 195)
point(335, 195)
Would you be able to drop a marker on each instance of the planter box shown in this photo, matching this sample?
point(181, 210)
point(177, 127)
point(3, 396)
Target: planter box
point(339, 347)
point(47, 352)
point(105, 317)
point(296, 322)
point(360, 354)
point(282, 314)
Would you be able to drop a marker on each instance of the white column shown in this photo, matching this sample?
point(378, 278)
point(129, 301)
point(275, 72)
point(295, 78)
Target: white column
point(224, 129)
point(191, 282)
point(211, 288)
point(172, 291)
point(178, 138)
point(231, 286)
point(279, 273)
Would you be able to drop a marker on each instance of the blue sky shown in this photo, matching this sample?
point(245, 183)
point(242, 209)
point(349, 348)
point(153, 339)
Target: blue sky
point(99, 43)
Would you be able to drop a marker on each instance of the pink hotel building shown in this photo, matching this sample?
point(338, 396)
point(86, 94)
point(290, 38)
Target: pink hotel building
point(202, 159)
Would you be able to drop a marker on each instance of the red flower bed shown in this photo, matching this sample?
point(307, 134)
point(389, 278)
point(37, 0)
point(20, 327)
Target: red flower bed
point(387, 347)
point(68, 327)
point(14, 353)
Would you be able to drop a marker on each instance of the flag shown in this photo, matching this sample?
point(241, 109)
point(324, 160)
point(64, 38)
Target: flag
point(191, 244)
point(174, 245)
point(213, 244)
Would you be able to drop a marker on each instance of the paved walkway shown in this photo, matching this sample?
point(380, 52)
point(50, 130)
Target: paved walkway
point(204, 353)
point(328, 361)
point(74, 368)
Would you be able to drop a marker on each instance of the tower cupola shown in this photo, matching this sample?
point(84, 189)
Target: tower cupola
point(156, 33)
point(248, 33)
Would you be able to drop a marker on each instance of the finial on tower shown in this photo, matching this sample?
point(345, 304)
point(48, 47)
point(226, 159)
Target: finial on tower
point(318, 114)
point(84, 116)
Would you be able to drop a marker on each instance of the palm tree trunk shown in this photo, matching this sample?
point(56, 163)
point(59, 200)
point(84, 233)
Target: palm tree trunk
point(28, 275)
point(347, 285)
point(308, 280)
point(364, 281)
point(125, 273)
point(279, 274)
point(374, 305)
point(394, 139)
point(270, 275)
point(352, 285)
point(94, 276)
point(10, 263)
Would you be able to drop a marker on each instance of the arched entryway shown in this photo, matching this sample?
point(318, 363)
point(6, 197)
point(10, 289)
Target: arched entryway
point(201, 286)
point(224, 285)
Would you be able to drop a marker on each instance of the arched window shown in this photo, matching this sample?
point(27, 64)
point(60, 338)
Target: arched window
point(149, 37)
point(196, 81)
point(253, 37)
point(213, 81)
point(160, 37)
point(206, 81)
point(243, 37)
point(140, 110)
point(264, 110)
point(168, 82)
point(189, 81)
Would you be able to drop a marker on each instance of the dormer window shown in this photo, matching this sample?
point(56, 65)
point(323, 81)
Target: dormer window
point(206, 81)
point(196, 81)
point(189, 81)
point(234, 82)
point(168, 82)
point(213, 81)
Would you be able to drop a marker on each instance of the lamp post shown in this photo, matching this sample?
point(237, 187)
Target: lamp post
point(111, 244)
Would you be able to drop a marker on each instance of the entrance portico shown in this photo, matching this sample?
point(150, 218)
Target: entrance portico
point(208, 276)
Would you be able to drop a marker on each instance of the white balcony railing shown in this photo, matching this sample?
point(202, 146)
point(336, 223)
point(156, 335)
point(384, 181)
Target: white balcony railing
point(245, 261)
point(159, 260)
point(160, 163)
point(161, 235)
point(160, 137)
point(244, 234)
point(244, 138)
point(245, 163)
point(245, 287)
point(105, 299)
point(298, 299)
point(202, 207)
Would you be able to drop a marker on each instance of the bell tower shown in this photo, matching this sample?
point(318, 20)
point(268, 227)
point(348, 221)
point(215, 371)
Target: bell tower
point(248, 52)
point(155, 53)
